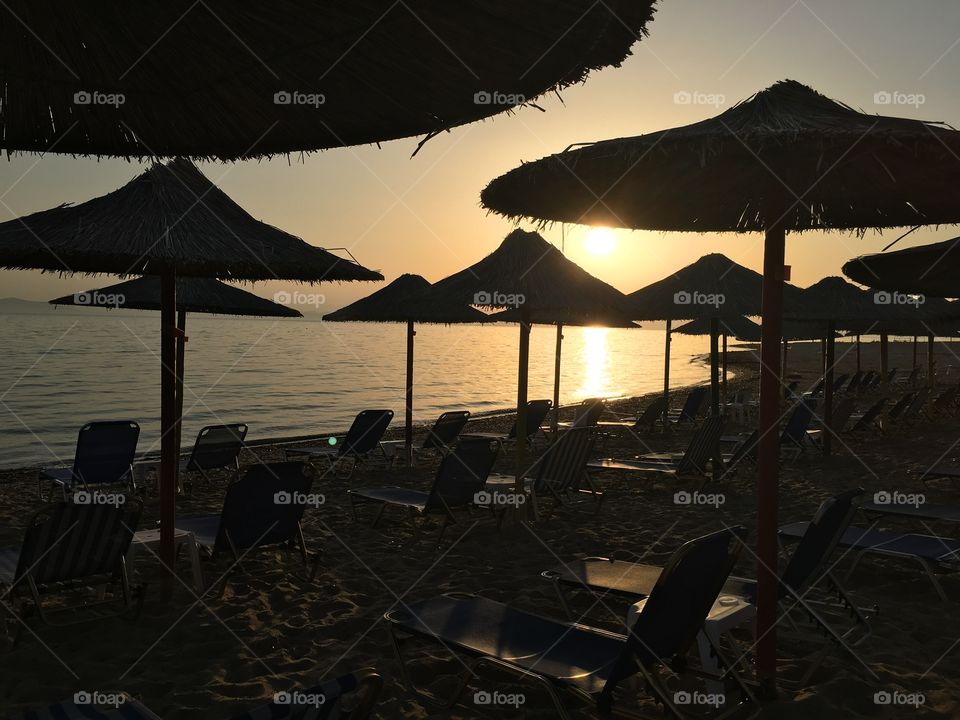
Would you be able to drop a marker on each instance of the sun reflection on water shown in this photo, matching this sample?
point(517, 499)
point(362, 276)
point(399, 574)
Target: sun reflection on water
point(597, 380)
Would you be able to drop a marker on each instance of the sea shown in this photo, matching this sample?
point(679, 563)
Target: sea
point(295, 377)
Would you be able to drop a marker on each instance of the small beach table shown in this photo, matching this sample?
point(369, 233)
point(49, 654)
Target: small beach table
point(151, 539)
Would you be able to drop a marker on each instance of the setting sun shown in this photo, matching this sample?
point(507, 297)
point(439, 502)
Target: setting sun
point(600, 241)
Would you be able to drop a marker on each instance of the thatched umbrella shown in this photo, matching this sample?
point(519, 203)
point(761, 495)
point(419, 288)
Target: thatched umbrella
point(786, 159)
point(712, 288)
point(528, 274)
point(738, 326)
point(398, 302)
point(194, 295)
point(247, 79)
point(169, 221)
point(926, 269)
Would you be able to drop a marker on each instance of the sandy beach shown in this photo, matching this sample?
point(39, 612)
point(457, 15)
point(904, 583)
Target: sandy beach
point(272, 629)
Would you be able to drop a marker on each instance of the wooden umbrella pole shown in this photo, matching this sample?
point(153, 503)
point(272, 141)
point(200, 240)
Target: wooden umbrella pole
point(522, 377)
point(408, 436)
point(769, 455)
point(783, 368)
point(914, 351)
point(930, 346)
point(858, 352)
point(828, 391)
point(714, 367)
point(556, 380)
point(883, 361)
point(724, 368)
point(181, 352)
point(666, 376)
point(168, 421)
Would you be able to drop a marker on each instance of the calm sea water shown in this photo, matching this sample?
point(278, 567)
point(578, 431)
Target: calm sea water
point(293, 377)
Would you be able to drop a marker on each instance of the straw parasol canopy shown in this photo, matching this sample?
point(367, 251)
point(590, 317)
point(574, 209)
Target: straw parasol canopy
point(194, 295)
point(244, 79)
point(928, 269)
point(402, 301)
point(786, 159)
point(737, 326)
point(170, 217)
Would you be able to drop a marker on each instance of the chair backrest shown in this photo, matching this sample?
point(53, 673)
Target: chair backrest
point(842, 413)
point(537, 411)
point(105, 452)
point(819, 541)
point(588, 412)
point(899, 406)
point(264, 506)
point(653, 413)
point(839, 381)
point(564, 463)
point(916, 405)
point(891, 375)
point(866, 381)
point(854, 381)
point(704, 446)
point(746, 449)
point(945, 399)
point(217, 446)
point(321, 702)
point(799, 421)
point(462, 474)
point(366, 432)
point(691, 407)
point(791, 389)
point(870, 416)
point(912, 377)
point(679, 602)
point(446, 430)
point(70, 542)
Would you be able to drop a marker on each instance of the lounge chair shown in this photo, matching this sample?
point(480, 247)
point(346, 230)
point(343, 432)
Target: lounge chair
point(647, 420)
point(791, 390)
point(103, 458)
point(896, 412)
point(441, 438)
point(867, 381)
point(840, 381)
point(217, 448)
point(537, 411)
point(360, 690)
point(559, 472)
point(941, 472)
point(945, 404)
point(842, 412)
point(701, 458)
point(796, 435)
point(459, 479)
point(931, 552)
point(817, 389)
point(261, 509)
point(691, 407)
point(72, 547)
point(854, 383)
point(868, 421)
point(586, 414)
point(806, 569)
point(914, 411)
point(573, 662)
point(891, 375)
point(361, 440)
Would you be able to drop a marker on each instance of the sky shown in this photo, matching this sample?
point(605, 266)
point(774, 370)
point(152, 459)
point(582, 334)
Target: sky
point(400, 214)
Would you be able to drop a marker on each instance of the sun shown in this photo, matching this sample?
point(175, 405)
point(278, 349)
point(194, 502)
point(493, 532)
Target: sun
point(600, 241)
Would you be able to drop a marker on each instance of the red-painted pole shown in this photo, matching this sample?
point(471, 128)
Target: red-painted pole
point(168, 420)
point(769, 454)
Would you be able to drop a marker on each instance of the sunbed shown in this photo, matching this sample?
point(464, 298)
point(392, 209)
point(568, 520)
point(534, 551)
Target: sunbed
point(647, 420)
point(361, 440)
point(217, 448)
point(573, 662)
point(586, 414)
point(868, 421)
point(67, 547)
point(441, 438)
point(796, 434)
point(691, 407)
point(103, 458)
point(537, 411)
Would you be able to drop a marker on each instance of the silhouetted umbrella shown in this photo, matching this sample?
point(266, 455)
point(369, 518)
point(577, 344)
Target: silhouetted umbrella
point(169, 221)
point(531, 276)
point(927, 269)
point(398, 302)
point(195, 295)
point(786, 159)
point(246, 79)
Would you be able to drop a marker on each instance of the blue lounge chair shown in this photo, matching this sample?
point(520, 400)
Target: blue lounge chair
point(796, 434)
point(261, 509)
point(441, 438)
point(576, 662)
point(537, 411)
point(104, 458)
point(68, 546)
point(691, 407)
point(586, 414)
point(217, 448)
point(362, 438)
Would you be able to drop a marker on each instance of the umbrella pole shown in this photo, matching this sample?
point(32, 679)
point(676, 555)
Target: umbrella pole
point(930, 360)
point(522, 376)
point(714, 367)
point(769, 455)
point(168, 420)
point(883, 361)
point(858, 353)
point(181, 350)
point(783, 369)
point(556, 380)
point(828, 391)
point(724, 368)
point(914, 351)
point(408, 436)
point(666, 376)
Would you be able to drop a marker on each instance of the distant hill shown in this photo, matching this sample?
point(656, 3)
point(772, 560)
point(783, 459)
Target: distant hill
point(18, 306)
